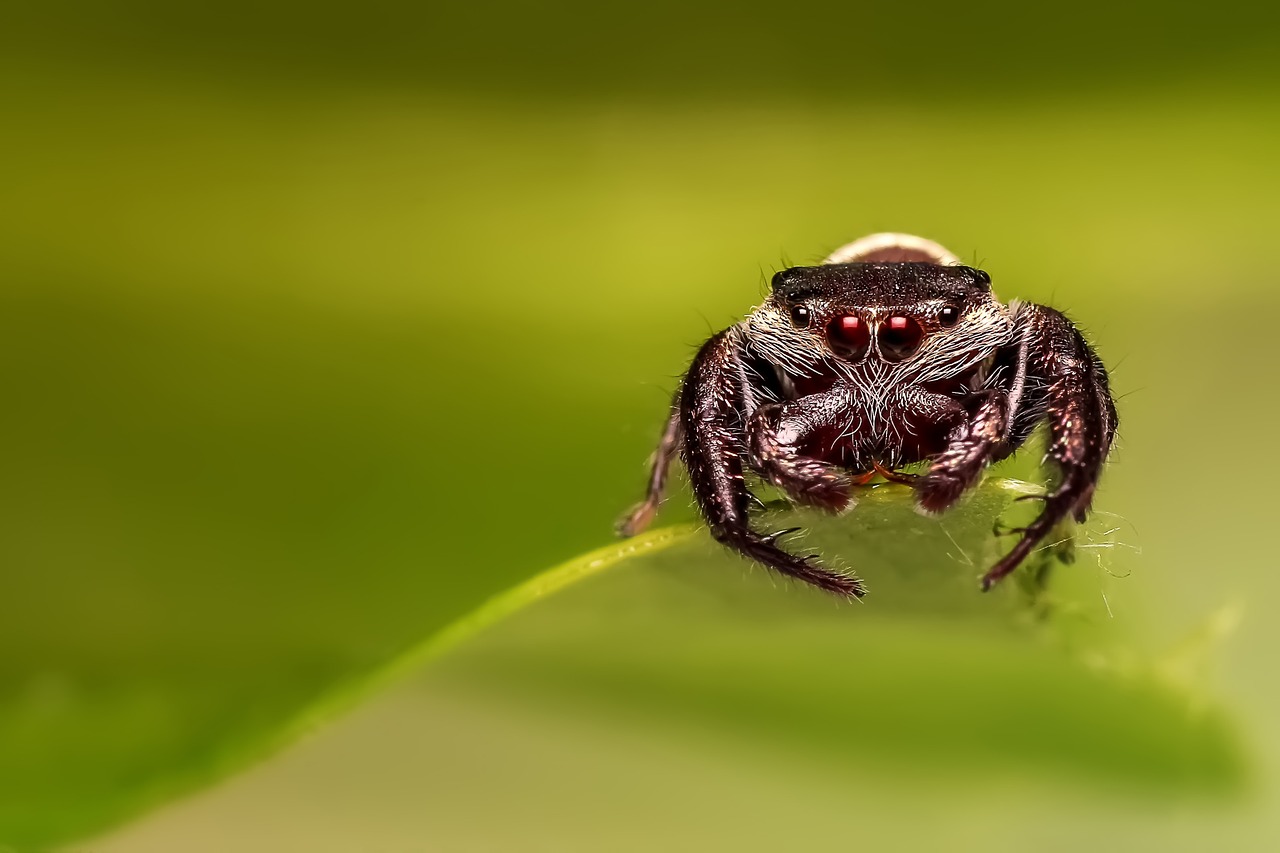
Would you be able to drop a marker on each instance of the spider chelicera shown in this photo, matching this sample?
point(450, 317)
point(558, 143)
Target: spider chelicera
point(889, 353)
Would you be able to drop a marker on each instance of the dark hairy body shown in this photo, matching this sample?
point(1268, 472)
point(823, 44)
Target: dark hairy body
point(888, 354)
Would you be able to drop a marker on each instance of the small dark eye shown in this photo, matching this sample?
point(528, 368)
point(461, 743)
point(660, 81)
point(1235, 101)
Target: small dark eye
point(800, 316)
point(949, 315)
point(981, 278)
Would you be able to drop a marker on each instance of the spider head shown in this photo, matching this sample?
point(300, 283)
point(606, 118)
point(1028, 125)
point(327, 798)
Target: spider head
point(879, 313)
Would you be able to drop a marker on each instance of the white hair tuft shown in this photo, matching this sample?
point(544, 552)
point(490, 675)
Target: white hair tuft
point(888, 247)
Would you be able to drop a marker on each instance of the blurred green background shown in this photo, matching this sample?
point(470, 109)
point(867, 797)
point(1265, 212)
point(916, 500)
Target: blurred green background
point(321, 325)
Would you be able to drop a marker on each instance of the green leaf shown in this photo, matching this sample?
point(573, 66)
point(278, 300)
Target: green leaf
point(927, 674)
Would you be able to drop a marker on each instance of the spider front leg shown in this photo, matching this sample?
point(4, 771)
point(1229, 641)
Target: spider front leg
point(641, 515)
point(715, 401)
point(1082, 422)
point(774, 434)
point(975, 444)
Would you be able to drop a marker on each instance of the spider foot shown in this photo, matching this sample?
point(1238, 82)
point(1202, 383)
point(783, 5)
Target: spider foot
point(999, 528)
point(637, 519)
point(938, 490)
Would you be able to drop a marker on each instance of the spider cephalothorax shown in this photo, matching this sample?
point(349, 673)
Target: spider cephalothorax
point(888, 354)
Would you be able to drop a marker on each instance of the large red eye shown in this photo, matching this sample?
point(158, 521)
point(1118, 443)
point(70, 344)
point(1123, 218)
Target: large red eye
point(849, 336)
point(899, 337)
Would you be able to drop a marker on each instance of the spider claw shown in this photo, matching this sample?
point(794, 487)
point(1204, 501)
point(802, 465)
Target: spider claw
point(772, 538)
point(998, 572)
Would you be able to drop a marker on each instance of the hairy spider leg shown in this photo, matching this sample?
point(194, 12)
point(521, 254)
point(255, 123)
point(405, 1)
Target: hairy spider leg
point(713, 396)
point(1082, 419)
point(774, 433)
point(976, 444)
point(640, 516)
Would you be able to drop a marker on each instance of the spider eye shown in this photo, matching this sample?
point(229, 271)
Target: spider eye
point(849, 336)
point(899, 337)
point(949, 315)
point(800, 317)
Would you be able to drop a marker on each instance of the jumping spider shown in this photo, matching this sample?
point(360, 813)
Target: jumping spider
point(889, 353)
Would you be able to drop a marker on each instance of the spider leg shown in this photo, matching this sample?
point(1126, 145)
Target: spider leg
point(714, 396)
point(971, 448)
point(1082, 422)
point(774, 434)
point(641, 515)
